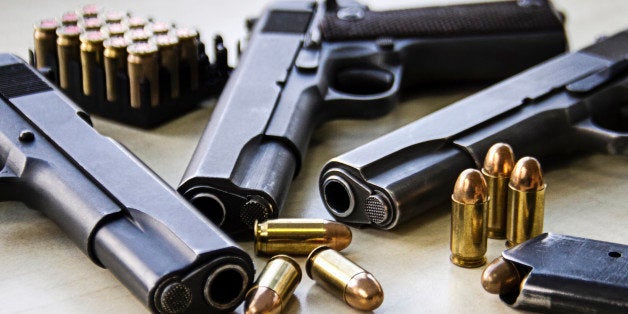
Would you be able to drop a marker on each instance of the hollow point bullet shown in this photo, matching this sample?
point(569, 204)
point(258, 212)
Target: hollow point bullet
point(90, 10)
point(136, 22)
point(274, 286)
point(114, 17)
point(115, 30)
point(500, 277)
point(91, 58)
point(46, 43)
point(159, 28)
point(299, 236)
point(92, 24)
point(115, 59)
point(143, 67)
point(343, 278)
point(468, 219)
point(526, 202)
point(69, 18)
point(138, 35)
point(68, 52)
point(498, 165)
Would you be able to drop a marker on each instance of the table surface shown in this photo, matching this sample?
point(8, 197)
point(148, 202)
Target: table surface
point(43, 270)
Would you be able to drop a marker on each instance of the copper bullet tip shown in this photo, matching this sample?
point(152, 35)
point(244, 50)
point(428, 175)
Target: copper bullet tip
point(470, 188)
point(262, 300)
point(499, 160)
point(500, 277)
point(339, 234)
point(363, 292)
point(527, 175)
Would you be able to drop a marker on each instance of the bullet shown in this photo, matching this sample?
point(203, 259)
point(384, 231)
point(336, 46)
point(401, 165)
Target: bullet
point(114, 17)
point(498, 165)
point(91, 57)
point(274, 286)
point(168, 46)
point(92, 24)
point(68, 51)
point(138, 35)
point(136, 22)
point(115, 56)
point(526, 202)
point(69, 18)
point(90, 10)
point(299, 236)
point(143, 67)
point(189, 41)
point(343, 278)
point(116, 30)
point(500, 277)
point(469, 204)
point(159, 28)
point(46, 43)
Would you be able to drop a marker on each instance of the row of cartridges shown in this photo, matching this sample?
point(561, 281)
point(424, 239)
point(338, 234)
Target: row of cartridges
point(142, 62)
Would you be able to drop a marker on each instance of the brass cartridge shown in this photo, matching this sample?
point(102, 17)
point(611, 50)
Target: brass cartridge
point(69, 18)
point(498, 165)
point(115, 56)
point(143, 67)
point(189, 41)
point(91, 57)
point(92, 24)
point(299, 236)
point(46, 43)
point(68, 52)
point(274, 286)
point(343, 278)
point(115, 30)
point(138, 35)
point(526, 202)
point(136, 22)
point(469, 203)
point(89, 11)
point(159, 28)
point(168, 46)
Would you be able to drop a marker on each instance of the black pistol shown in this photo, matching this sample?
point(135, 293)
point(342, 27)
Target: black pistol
point(309, 62)
point(119, 213)
point(574, 102)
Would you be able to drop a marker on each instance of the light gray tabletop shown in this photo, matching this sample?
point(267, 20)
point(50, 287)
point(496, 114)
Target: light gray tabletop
point(43, 271)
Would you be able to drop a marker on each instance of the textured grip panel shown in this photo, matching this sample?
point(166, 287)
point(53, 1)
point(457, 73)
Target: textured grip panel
point(18, 80)
point(469, 19)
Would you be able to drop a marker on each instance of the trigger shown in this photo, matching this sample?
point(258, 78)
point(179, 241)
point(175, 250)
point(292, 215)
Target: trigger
point(362, 81)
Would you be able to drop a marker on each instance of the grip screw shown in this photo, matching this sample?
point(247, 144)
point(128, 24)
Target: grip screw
point(26, 136)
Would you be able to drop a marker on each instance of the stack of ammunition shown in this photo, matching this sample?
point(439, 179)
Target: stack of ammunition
point(504, 200)
point(126, 67)
point(320, 239)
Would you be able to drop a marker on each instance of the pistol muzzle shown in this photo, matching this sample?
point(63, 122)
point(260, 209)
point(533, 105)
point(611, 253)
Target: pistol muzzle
point(343, 278)
point(299, 236)
point(498, 165)
point(143, 66)
point(274, 286)
point(468, 220)
point(526, 202)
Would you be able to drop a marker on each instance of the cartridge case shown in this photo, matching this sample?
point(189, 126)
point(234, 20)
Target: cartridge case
point(299, 236)
point(468, 239)
point(115, 59)
point(526, 202)
point(69, 18)
point(45, 43)
point(168, 46)
point(274, 286)
point(91, 58)
point(143, 67)
point(189, 41)
point(343, 278)
point(497, 167)
point(68, 52)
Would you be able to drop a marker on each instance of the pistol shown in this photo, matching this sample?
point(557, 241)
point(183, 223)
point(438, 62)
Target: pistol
point(118, 212)
point(309, 62)
point(575, 102)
